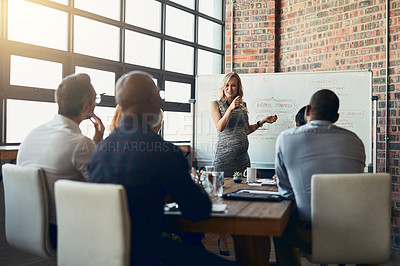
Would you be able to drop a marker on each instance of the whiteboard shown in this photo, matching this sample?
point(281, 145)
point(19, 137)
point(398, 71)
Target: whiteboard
point(283, 94)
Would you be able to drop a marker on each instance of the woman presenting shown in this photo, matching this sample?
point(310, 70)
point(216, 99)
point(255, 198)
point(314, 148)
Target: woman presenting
point(229, 114)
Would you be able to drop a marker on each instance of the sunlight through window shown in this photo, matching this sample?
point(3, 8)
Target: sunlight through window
point(31, 72)
point(209, 63)
point(23, 116)
point(46, 40)
point(212, 8)
point(102, 81)
point(179, 24)
point(106, 8)
point(178, 126)
point(148, 16)
point(96, 38)
point(106, 114)
point(210, 33)
point(178, 57)
point(64, 2)
point(187, 3)
point(35, 24)
point(141, 49)
point(177, 92)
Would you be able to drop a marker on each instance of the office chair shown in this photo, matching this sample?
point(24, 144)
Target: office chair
point(351, 218)
point(93, 224)
point(26, 210)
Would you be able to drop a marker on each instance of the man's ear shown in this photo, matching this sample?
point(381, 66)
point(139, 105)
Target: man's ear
point(86, 110)
point(308, 110)
point(307, 113)
point(85, 107)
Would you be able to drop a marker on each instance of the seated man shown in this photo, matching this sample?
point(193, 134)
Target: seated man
point(300, 118)
point(315, 148)
point(58, 146)
point(150, 169)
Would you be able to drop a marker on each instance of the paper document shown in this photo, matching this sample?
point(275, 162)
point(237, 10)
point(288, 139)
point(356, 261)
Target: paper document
point(173, 207)
point(218, 207)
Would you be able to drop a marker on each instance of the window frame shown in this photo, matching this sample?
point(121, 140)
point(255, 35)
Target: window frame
point(69, 59)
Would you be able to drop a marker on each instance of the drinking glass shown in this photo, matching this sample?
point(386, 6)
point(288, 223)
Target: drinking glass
point(209, 169)
point(218, 183)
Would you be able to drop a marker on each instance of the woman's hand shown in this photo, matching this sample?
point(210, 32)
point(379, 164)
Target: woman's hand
point(235, 103)
point(270, 119)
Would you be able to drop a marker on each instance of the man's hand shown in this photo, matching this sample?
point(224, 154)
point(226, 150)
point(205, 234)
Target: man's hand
point(98, 128)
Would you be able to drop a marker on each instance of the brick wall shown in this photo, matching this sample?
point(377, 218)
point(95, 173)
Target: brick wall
point(326, 35)
point(254, 37)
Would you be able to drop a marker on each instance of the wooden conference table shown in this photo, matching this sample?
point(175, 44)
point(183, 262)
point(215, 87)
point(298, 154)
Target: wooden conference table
point(8, 152)
point(249, 222)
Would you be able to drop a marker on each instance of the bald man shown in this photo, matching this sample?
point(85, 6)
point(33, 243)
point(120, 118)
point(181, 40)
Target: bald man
point(317, 147)
point(150, 169)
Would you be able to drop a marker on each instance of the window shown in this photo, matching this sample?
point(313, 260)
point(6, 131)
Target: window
point(178, 126)
point(180, 24)
point(45, 40)
point(187, 3)
point(106, 114)
point(209, 63)
point(35, 24)
point(141, 49)
point(102, 81)
point(31, 72)
point(96, 38)
point(23, 116)
point(211, 8)
point(106, 8)
point(148, 16)
point(64, 2)
point(177, 92)
point(210, 33)
point(178, 58)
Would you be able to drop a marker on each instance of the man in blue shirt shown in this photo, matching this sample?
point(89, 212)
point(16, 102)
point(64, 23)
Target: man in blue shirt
point(315, 148)
point(150, 169)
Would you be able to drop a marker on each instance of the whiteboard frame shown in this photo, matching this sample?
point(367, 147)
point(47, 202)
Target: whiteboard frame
point(370, 154)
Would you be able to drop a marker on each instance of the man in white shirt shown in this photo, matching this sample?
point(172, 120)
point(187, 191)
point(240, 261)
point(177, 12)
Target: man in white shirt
point(317, 147)
point(58, 146)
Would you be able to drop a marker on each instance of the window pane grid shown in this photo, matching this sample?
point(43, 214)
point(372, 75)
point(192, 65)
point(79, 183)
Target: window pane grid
point(102, 44)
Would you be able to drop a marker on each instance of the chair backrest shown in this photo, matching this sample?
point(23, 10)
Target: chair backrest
point(93, 224)
point(26, 210)
point(351, 218)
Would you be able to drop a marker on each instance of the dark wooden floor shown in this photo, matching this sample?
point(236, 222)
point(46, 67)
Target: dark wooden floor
point(211, 243)
point(12, 257)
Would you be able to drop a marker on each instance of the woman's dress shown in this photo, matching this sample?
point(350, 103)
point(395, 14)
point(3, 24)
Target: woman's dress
point(232, 145)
